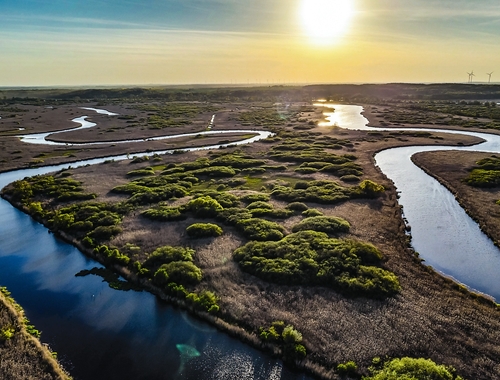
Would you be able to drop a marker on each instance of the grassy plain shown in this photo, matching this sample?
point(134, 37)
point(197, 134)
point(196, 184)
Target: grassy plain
point(22, 355)
point(429, 317)
point(451, 168)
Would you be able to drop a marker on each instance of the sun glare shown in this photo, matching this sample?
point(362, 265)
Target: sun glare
point(326, 21)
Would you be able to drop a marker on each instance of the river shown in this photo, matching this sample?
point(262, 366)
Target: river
point(442, 233)
point(101, 333)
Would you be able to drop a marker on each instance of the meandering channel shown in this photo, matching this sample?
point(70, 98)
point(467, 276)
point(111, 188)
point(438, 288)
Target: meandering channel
point(102, 333)
point(442, 233)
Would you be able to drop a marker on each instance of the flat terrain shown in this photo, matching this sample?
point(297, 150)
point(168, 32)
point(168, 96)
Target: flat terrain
point(430, 317)
point(451, 168)
point(22, 355)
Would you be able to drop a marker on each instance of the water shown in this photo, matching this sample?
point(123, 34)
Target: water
point(102, 333)
point(442, 233)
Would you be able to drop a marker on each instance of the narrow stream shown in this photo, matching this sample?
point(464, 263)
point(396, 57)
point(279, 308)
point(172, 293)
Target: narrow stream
point(102, 333)
point(442, 233)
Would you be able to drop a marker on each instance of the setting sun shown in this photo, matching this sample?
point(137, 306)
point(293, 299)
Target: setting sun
point(325, 21)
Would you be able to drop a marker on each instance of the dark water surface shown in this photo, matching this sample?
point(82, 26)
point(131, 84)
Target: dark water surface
point(102, 333)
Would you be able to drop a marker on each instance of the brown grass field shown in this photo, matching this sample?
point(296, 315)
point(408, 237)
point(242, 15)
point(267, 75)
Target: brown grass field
point(23, 356)
point(431, 317)
point(450, 168)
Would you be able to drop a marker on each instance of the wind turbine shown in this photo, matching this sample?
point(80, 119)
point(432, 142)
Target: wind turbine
point(471, 74)
point(489, 76)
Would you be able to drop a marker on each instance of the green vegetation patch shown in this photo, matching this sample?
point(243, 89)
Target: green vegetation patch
point(313, 258)
point(165, 115)
point(330, 225)
point(327, 192)
point(202, 230)
point(264, 116)
point(62, 189)
point(486, 174)
point(260, 229)
point(286, 337)
point(414, 369)
point(170, 264)
point(165, 213)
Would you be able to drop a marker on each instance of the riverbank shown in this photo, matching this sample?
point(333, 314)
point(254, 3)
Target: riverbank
point(450, 168)
point(431, 317)
point(427, 319)
point(22, 355)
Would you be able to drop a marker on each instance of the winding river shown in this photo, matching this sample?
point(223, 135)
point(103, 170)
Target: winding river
point(442, 233)
point(102, 333)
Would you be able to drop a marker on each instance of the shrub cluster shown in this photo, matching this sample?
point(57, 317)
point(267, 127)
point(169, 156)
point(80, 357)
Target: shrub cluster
point(202, 230)
point(312, 258)
point(111, 255)
point(170, 264)
point(287, 338)
point(411, 368)
point(486, 174)
point(61, 189)
point(313, 191)
point(165, 213)
point(330, 225)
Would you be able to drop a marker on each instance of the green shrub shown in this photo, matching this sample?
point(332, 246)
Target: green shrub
point(112, 256)
point(104, 233)
point(214, 172)
point(260, 229)
point(225, 199)
point(297, 206)
point(286, 337)
point(330, 225)
point(410, 368)
point(141, 172)
point(328, 192)
point(204, 207)
point(233, 215)
point(205, 300)
point(181, 272)
point(201, 230)
point(303, 170)
point(255, 197)
point(347, 369)
point(6, 333)
point(260, 205)
point(271, 213)
point(312, 258)
point(168, 254)
point(236, 161)
point(311, 212)
point(483, 178)
point(368, 189)
point(165, 213)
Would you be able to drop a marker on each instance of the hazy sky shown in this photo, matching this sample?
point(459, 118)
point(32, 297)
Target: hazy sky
point(99, 42)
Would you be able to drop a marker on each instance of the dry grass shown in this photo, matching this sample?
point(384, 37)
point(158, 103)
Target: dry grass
point(450, 168)
point(23, 357)
point(430, 318)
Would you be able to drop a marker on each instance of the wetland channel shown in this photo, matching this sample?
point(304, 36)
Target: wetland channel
point(102, 333)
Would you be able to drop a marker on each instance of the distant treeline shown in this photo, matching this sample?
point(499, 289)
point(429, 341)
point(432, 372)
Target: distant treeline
point(341, 92)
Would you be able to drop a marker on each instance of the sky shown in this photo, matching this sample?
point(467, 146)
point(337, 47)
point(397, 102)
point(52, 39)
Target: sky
point(161, 42)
